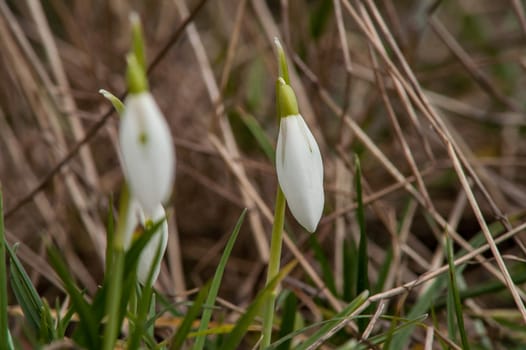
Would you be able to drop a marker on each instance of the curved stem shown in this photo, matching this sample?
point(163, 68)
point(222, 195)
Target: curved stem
point(273, 266)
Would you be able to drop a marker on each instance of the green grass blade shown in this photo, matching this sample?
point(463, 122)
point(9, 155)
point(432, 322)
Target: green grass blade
point(191, 316)
point(236, 335)
point(349, 309)
point(349, 257)
point(450, 314)
point(87, 332)
point(382, 338)
point(30, 305)
point(319, 17)
point(259, 135)
point(4, 327)
point(47, 328)
point(216, 282)
point(327, 274)
point(110, 237)
point(145, 305)
point(63, 322)
point(493, 286)
point(422, 305)
point(455, 294)
point(302, 330)
point(5, 336)
point(26, 294)
point(384, 271)
point(362, 282)
point(288, 318)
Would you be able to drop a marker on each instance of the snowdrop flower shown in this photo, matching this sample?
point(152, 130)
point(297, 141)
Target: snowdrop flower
point(298, 162)
point(158, 241)
point(146, 144)
point(135, 224)
point(135, 219)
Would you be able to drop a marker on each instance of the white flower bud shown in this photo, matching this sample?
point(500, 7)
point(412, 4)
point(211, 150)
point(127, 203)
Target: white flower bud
point(300, 171)
point(135, 225)
point(158, 241)
point(147, 151)
point(134, 218)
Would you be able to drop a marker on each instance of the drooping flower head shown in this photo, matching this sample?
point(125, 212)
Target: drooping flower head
point(298, 162)
point(146, 144)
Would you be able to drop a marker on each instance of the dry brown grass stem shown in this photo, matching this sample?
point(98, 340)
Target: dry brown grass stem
point(424, 94)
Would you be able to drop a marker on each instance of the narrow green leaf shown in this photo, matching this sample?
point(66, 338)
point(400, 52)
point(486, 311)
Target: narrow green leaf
point(47, 329)
point(455, 295)
point(424, 303)
point(87, 332)
point(421, 306)
point(349, 257)
point(110, 237)
point(349, 309)
point(301, 330)
point(191, 316)
point(319, 17)
point(114, 299)
point(25, 293)
point(327, 274)
point(216, 282)
point(259, 134)
point(489, 287)
point(362, 282)
point(288, 318)
point(234, 338)
point(63, 322)
point(383, 338)
point(30, 306)
point(4, 327)
point(255, 84)
point(384, 271)
point(145, 305)
point(450, 314)
point(114, 100)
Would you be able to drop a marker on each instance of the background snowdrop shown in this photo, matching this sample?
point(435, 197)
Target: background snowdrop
point(156, 244)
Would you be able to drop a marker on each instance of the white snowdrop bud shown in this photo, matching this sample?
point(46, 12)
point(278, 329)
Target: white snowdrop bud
point(136, 223)
point(300, 171)
point(147, 151)
point(159, 242)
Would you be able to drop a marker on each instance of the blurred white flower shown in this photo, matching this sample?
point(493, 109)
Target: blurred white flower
point(147, 151)
point(300, 171)
point(135, 225)
point(134, 219)
point(159, 240)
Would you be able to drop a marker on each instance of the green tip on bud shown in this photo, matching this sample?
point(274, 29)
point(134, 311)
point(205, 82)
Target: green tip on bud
point(282, 61)
point(135, 76)
point(117, 104)
point(287, 103)
point(137, 39)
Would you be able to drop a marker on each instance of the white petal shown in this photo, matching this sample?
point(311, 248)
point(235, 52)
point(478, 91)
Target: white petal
point(147, 151)
point(159, 239)
point(300, 171)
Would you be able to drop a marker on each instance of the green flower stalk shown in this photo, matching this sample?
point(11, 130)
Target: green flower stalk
point(148, 162)
point(300, 175)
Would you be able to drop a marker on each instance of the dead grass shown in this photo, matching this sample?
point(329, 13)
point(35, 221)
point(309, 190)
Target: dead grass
point(428, 93)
